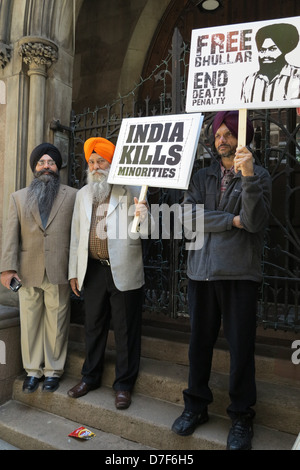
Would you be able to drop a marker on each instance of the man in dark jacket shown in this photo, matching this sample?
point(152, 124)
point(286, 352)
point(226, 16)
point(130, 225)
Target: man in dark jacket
point(224, 277)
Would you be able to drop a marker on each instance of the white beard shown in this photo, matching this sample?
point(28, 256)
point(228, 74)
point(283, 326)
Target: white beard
point(98, 185)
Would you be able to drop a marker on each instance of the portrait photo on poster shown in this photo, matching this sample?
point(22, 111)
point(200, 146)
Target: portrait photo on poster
point(248, 65)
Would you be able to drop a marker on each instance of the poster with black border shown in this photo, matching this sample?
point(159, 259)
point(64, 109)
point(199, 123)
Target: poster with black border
point(248, 65)
point(156, 151)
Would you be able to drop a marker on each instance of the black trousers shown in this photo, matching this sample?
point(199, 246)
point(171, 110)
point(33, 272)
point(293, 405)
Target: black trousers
point(235, 303)
point(103, 302)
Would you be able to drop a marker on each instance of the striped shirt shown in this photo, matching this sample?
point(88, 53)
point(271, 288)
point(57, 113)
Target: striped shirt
point(284, 86)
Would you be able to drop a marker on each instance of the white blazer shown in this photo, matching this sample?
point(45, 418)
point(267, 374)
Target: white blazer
point(125, 249)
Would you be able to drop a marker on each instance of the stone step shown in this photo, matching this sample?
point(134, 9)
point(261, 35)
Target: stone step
point(278, 406)
point(46, 419)
point(157, 401)
point(273, 361)
point(32, 429)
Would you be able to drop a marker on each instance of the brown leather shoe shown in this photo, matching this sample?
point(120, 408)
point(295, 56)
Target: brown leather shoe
point(123, 399)
point(80, 389)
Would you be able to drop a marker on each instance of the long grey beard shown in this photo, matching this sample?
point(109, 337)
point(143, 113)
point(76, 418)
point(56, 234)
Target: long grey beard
point(43, 190)
point(99, 187)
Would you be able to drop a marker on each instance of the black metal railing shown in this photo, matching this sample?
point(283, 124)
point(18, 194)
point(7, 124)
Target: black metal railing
point(276, 147)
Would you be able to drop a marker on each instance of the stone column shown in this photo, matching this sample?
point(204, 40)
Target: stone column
point(39, 54)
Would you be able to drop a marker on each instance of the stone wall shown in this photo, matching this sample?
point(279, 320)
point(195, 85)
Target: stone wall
point(10, 351)
point(112, 41)
point(2, 141)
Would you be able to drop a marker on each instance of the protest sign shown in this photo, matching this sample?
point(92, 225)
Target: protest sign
point(156, 151)
point(249, 65)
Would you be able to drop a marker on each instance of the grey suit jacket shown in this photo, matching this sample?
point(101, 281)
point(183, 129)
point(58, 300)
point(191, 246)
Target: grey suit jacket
point(125, 249)
point(29, 248)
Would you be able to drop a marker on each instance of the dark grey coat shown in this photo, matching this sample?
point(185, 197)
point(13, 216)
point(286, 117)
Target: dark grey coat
point(229, 252)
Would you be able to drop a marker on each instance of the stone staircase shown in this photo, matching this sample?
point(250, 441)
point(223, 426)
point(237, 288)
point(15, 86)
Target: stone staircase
point(44, 420)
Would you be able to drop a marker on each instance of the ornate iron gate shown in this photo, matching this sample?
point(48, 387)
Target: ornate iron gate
point(277, 148)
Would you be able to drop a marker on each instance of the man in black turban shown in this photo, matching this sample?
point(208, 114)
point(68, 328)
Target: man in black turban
point(45, 149)
point(36, 253)
point(276, 79)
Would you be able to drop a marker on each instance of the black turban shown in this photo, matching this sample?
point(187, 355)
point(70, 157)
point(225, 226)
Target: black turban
point(231, 120)
point(45, 149)
point(285, 36)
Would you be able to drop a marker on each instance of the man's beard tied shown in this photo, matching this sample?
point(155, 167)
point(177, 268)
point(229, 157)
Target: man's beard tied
point(43, 190)
point(99, 187)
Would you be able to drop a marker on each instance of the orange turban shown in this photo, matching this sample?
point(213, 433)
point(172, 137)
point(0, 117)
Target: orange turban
point(101, 146)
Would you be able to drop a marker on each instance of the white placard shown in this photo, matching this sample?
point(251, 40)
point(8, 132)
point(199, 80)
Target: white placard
point(221, 58)
point(156, 151)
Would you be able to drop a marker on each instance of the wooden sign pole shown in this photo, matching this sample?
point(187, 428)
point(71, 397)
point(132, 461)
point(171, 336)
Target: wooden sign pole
point(242, 131)
point(143, 195)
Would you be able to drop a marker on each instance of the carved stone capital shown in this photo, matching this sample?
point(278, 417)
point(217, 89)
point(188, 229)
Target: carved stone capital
point(38, 51)
point(5, 54)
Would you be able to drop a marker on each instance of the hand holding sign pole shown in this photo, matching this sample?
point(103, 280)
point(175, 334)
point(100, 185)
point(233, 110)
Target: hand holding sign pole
point(136, 219)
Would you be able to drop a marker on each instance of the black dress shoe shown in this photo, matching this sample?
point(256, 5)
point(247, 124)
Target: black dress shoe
point(30, 384)
point(240, 435)
point(50, 384)
point(188, 421)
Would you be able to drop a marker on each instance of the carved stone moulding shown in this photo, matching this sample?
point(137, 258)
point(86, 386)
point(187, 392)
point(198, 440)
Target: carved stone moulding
point(38, 51)
point(5, 54)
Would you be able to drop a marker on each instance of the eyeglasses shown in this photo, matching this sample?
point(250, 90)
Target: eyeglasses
point(44, 162)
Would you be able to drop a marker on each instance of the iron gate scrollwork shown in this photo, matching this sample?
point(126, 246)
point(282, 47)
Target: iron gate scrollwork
point(276, 146)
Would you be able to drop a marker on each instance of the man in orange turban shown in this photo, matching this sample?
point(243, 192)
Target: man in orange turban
point(109, 265)
point(101, 146)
